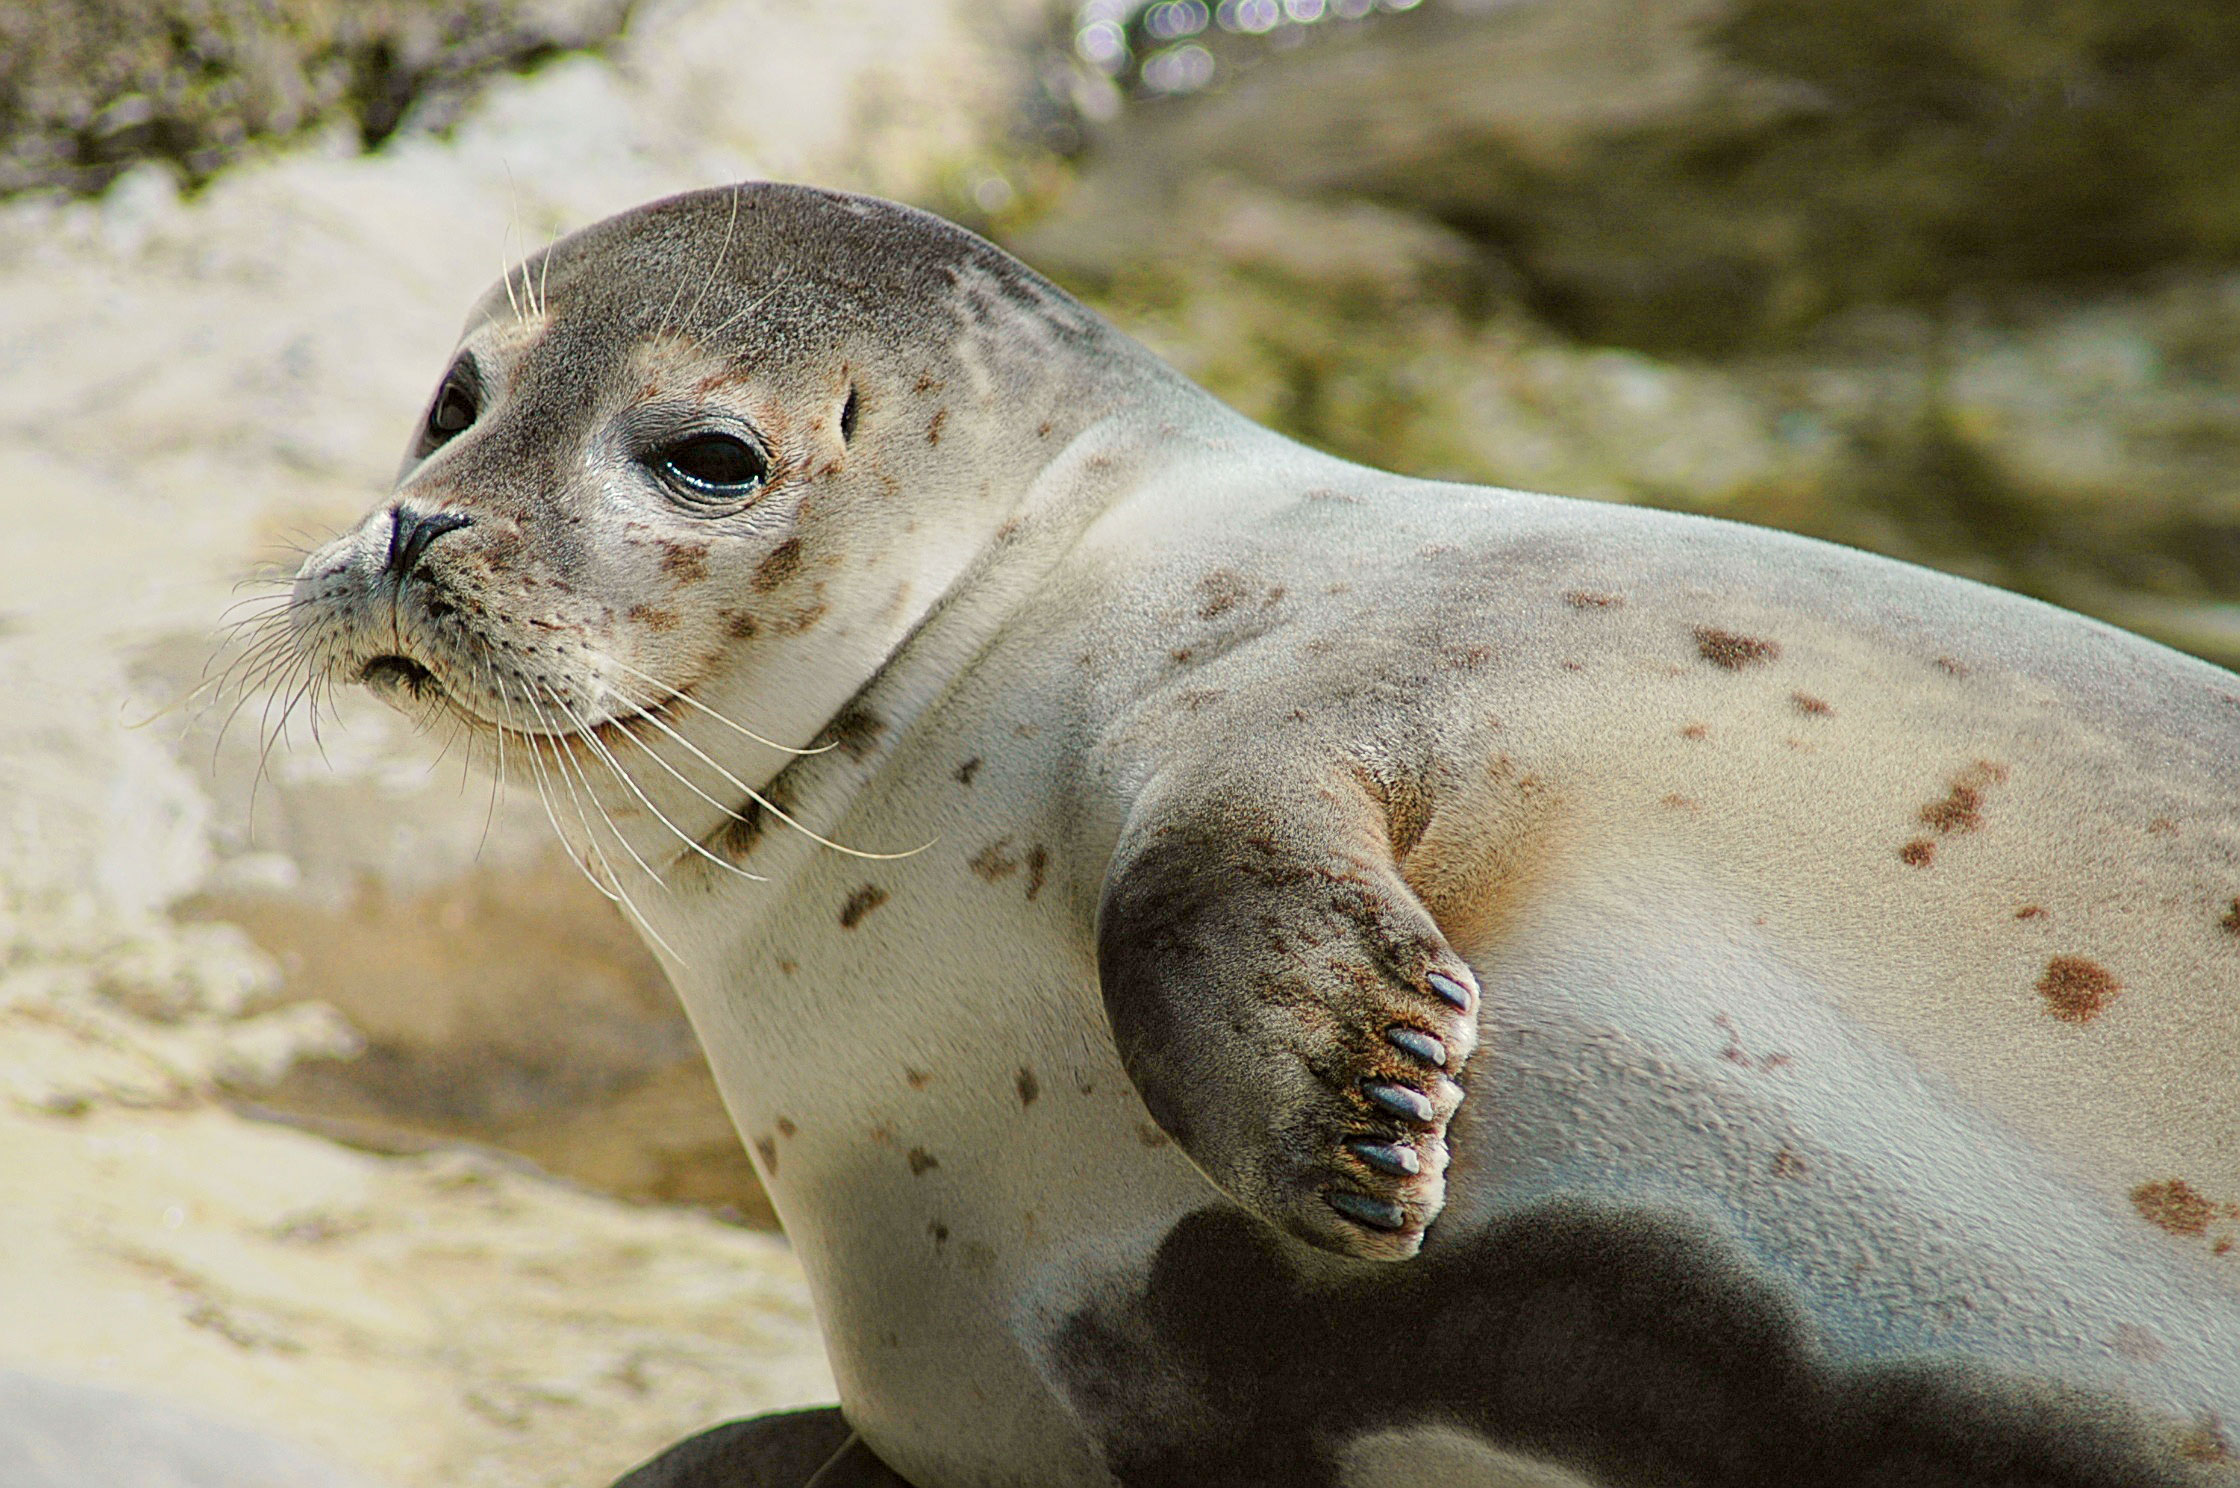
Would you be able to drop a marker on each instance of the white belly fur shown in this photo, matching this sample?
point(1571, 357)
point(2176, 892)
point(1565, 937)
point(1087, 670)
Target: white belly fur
point(1637, 1010)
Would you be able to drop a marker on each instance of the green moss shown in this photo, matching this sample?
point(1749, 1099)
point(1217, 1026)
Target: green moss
point(89, 89)
point(1890, 151)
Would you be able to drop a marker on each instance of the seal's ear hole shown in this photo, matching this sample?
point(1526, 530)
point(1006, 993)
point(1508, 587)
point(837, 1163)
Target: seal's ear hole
point(848, 416)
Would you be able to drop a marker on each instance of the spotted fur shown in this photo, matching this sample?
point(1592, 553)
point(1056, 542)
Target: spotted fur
point(1376, 981)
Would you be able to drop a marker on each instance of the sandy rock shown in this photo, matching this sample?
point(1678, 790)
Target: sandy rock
point(197, 915)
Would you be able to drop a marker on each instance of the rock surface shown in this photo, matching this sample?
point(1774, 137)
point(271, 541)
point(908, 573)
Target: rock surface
point(204, 928)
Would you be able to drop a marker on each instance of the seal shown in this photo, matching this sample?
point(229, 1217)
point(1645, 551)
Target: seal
point(1239, 967)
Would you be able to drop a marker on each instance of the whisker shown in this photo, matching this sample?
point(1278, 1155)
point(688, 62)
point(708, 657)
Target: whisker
point(272, 737)
point(741, 313)
point(564, 741)
point(497, 780)
point(690, 701)
point(544, 279)
point(591, 738)
point(505, 267)
point(760, 799)
point(722, 252)
point(541, 776)
point(565, 758)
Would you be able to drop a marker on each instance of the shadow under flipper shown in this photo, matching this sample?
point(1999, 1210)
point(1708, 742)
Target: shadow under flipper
point(792, 1449)
point(1621, 1346)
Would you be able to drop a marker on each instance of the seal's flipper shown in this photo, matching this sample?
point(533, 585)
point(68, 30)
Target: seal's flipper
point(1288, 1009)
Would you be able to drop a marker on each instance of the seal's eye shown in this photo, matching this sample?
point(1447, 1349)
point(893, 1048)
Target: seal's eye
point(711, 466)
point(453, 411)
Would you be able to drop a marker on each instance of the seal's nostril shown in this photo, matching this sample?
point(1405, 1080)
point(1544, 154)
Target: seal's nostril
point(410, 532)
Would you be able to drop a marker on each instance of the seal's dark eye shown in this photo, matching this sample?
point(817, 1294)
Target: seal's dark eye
point(712, 465)
point(454, 410)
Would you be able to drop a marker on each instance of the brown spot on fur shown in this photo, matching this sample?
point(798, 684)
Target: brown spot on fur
point(2077, 990)
point(652, 618)
point(2030, 912)
point(1225, 590)
point(728, 377)
point(1695, 731)
point(802, 619)
point(924, 384)
point(861, 903)
point(1029, 1088)
point(687, 563)
point(1679, 802)
point(1787, 1164)
point(1199, 697)
point(933, 429)
point(1734, 1053)
point(1573, 666)
point(1961, 810)
point(854, 730)
point(2231, 920)
point(1725, 649)
point(938, 1230)
point(786, 1128)
point(2162, 826)
point(781, 564)
point(1150, 1135)
point(742, 832)
point(1920, 852)
point(2173, 1205)
point(967, 770)
point(1180, 656)
point(789, 967)
point(1588, 599)
point(921, 1161)
point(1950, 667)
point(2207, 1441)
point(768, 1150)
point(1470, 658)
point(1042, 430)
point(994, 861)
point(1810, 705)
point(741, 625)
point(916, 1079)
point(883, 1134)
point(1038, 861)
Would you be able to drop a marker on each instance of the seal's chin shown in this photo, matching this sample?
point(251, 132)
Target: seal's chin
point(400, 679)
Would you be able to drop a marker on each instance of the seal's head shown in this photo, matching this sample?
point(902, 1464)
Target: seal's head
point(734, 441)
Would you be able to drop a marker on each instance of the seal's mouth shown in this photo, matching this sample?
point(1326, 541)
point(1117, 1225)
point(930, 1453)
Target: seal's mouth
point(403, 683)
point(400, 674)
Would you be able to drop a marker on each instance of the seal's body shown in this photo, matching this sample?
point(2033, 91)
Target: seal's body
point(1388, 981)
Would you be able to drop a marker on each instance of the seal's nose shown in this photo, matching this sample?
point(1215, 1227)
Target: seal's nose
point(410, 532)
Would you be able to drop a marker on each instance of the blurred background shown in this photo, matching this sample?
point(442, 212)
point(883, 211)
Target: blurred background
point(333, 1104)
